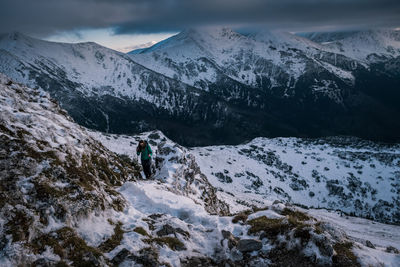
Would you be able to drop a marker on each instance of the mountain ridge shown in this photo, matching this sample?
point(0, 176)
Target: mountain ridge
point(212, 84)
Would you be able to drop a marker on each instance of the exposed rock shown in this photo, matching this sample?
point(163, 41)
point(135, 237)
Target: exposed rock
point(232, 240)
point(168, 230)
point(190, 181)
point(226, 234)
point(324, 245)
point(156, 216)
point(43, 262)
point(147, 257)
point(392, 249)
point(369, 244)
point(121, 256)
point(198, 262)
point(249, 245)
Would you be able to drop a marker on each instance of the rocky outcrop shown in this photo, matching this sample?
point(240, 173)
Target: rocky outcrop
point(188, 178)
point(52, 176)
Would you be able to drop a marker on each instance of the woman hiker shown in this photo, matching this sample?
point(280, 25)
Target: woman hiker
point(144, 149)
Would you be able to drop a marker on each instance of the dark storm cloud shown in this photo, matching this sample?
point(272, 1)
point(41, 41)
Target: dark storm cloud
point(43, 17)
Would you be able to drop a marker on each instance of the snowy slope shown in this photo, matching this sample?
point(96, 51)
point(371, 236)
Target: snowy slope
point(54, 177)
point(197, 56)
point(187, 60)
point(86, 67)
point(67, 200)
point(220, 163)
point(369, 46)
point(174, 165)
point(348, 174)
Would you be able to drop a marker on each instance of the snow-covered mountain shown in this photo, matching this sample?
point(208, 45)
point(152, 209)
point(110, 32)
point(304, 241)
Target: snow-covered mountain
point(90, 68)
point(105, 89)
point(214, 85)
point(66, 199)
point(261, 60)
point(366, 46)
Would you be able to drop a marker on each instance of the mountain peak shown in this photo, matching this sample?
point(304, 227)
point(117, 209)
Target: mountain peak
point(195, 35)
point(214, 32)
point(373, 45)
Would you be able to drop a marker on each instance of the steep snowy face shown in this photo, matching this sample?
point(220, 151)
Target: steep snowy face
point(99, 87)
point(369, 46)
point(87, 68)
point(199, 56)
point(180, 57)
point(286, 40)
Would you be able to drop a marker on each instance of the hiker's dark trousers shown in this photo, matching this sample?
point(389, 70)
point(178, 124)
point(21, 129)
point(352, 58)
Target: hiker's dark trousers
point(146, 164)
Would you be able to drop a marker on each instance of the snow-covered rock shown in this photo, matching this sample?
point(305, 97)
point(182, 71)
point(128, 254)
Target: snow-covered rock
point(54, 177)
point(68, 200)
point(173, 164)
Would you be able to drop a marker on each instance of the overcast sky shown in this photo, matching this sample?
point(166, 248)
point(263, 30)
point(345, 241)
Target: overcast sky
point(123, 24)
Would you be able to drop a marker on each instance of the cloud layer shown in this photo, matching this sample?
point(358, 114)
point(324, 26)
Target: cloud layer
point(45, 17)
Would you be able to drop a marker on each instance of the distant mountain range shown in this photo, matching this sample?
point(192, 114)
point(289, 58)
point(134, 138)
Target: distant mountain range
point(217, 86)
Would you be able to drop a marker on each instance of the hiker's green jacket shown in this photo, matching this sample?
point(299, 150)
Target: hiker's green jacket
point(146, 152)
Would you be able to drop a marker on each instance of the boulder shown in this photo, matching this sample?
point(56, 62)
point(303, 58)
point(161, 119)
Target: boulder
point(392, 249)
point(249, 245)
point(121, 256)
point(232, 240)
point(168, 229)
point(369, 244)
